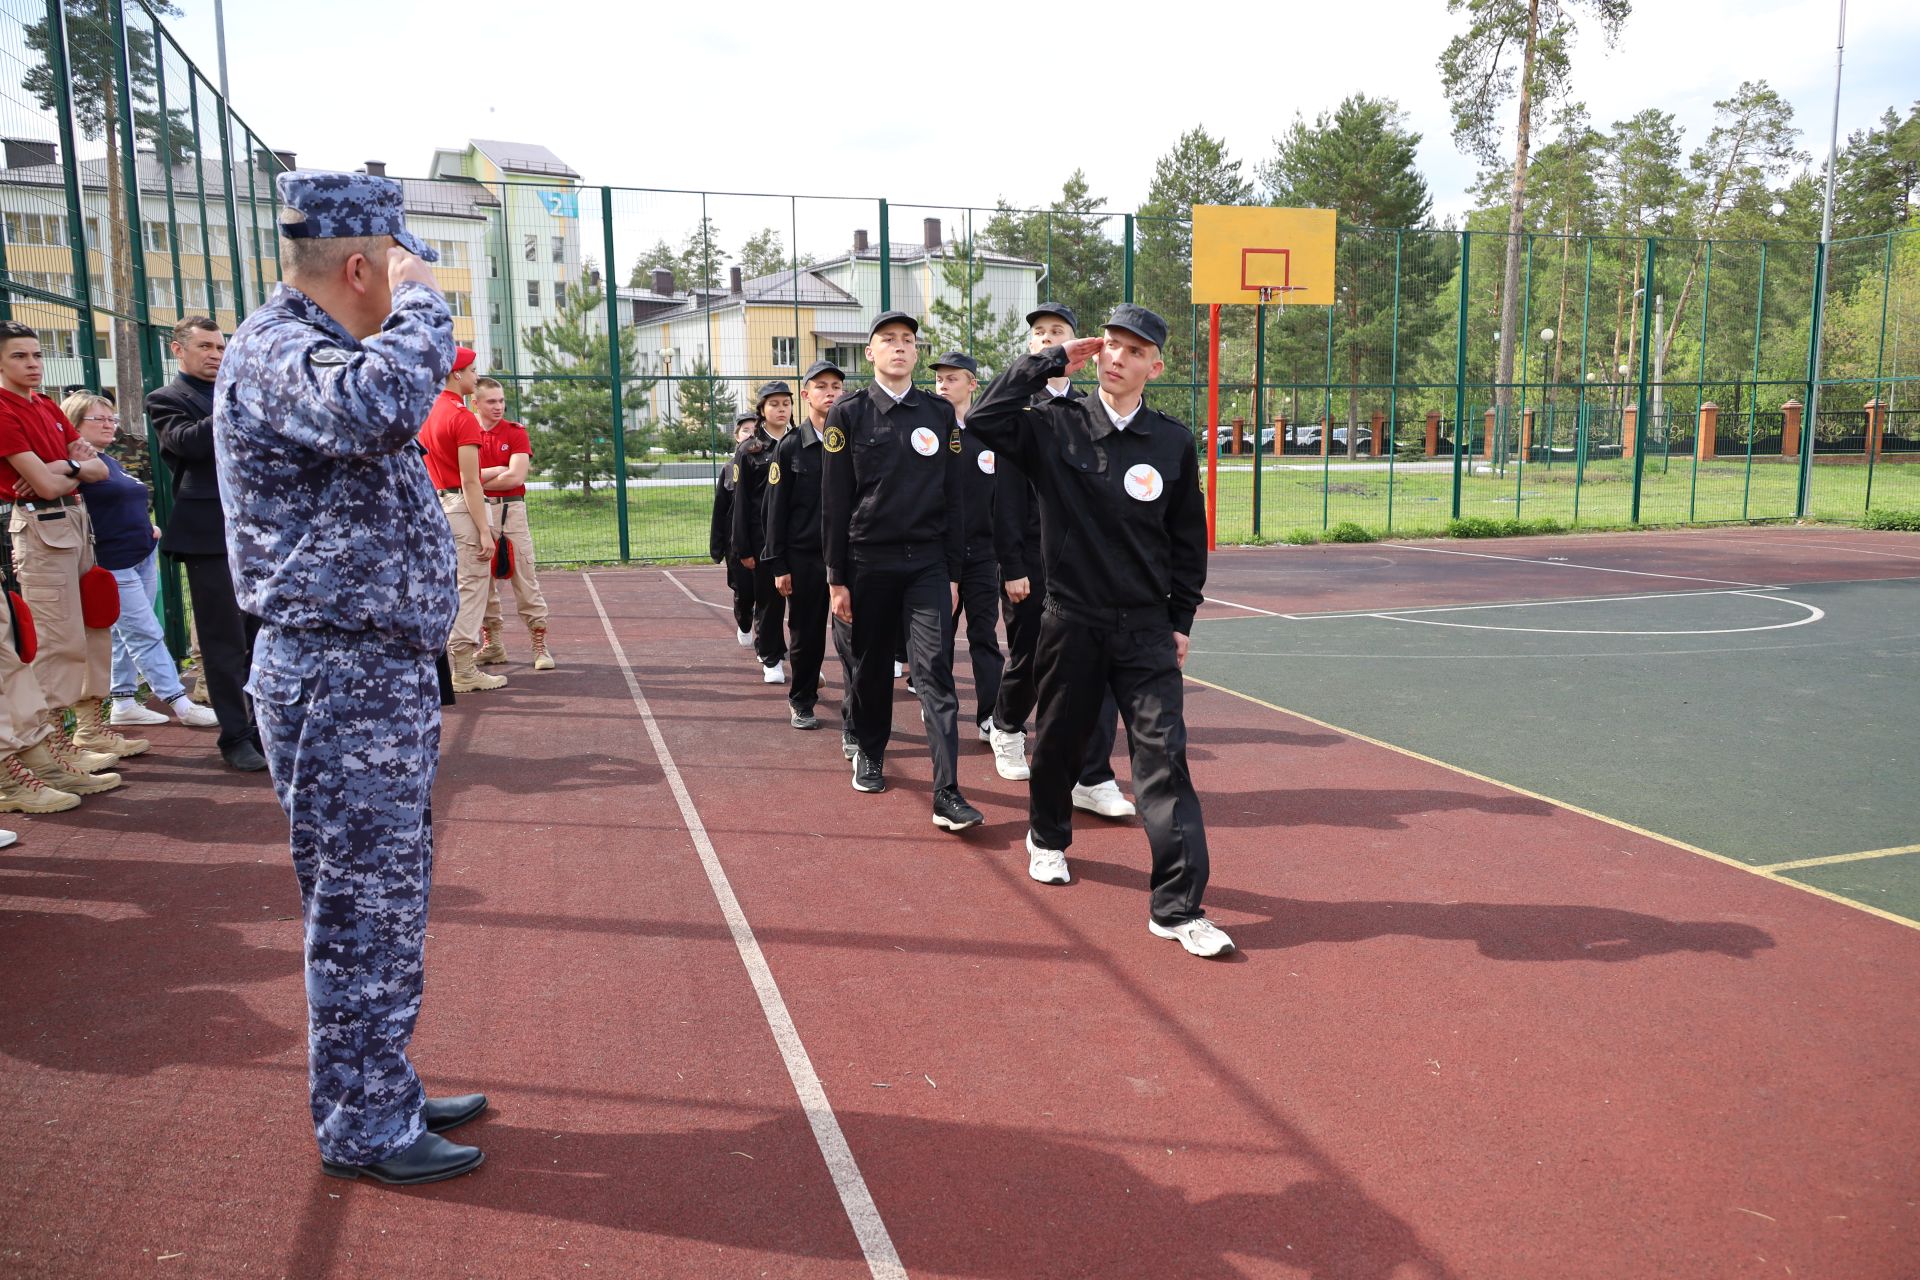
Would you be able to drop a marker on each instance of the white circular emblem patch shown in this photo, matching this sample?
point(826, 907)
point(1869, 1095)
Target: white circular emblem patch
point(925, 443)
point(1144, 483)
point(986, 461)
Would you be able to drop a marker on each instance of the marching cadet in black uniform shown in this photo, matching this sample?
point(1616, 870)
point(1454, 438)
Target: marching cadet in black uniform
point(720, 535)
point(1126, 552)
point(790, 553)
point(774, 404)
point(956, 376)
point(891, 525)
point(1023, 573)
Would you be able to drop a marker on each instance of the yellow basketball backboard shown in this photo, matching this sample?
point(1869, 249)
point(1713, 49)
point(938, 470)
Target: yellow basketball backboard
point(1245, 253)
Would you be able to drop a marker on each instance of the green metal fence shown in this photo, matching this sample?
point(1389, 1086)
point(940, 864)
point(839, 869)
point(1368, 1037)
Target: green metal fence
point(1656, 381)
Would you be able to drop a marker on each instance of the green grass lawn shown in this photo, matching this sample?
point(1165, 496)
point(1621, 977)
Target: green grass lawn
point(671, 523)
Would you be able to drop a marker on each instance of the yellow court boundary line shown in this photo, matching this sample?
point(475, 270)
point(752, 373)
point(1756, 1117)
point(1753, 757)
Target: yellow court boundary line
point(1764, 873)
point(1773, 868)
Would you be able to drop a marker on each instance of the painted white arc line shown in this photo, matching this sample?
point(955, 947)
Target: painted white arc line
point(1814, 614)
point(1568, 564)
point(883, 1260)
point(1234, 604)
point(1514, 604)
point(688, 594)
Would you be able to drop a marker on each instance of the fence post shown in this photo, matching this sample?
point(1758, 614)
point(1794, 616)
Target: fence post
point(886, 261)
point(76, 213)
point(1433, 432)
point(618, 377)
point(1803, 499)
point(1460, 367)
point(1703, 444)
point(1379, 426)
point(1629, 432)
point(1126, 275)
point(1646, 358)
point(1492, 427)
point(1876, 425)
point(1791, 413)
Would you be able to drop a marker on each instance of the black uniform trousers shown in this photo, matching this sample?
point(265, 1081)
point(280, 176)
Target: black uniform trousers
point(806, 628)
point(895, 587)
point(1130, 659)
point(980, 602)
point(226, 646)
point(740, 580)
point(843, 649)
point(1020, 689)
point(769, 616)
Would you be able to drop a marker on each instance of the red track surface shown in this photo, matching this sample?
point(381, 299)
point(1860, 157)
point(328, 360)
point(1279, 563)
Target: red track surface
point(1469, 1035)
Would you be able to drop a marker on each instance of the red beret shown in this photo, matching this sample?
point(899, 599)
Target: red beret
point(462, 357)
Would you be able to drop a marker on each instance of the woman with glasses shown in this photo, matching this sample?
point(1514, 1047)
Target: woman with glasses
point(123, 544)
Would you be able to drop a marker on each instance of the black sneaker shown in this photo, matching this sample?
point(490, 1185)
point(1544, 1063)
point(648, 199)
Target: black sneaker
point(867, 775)
point(803, 719)
point(849, 745)
point(951, 812)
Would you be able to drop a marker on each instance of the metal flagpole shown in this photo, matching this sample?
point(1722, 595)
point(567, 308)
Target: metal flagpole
point(220, 44)
point(1820, 293)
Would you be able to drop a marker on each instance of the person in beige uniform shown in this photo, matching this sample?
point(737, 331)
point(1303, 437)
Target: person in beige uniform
point(506, 451)
point(43, 462)
point(451, 438)
point(32, 779)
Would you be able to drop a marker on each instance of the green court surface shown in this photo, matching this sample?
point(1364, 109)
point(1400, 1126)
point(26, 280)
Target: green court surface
point(1765, 726)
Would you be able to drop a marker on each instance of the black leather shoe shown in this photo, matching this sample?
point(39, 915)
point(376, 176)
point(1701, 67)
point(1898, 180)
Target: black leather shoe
point(431, 1159)
point(951, 812)
point(803, 719)
point(244, 757)
point(849, 745)
point(442, 1114)
point(867, 775)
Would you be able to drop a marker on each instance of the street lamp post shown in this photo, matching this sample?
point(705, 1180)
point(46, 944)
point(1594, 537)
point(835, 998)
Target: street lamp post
point(1546, 389)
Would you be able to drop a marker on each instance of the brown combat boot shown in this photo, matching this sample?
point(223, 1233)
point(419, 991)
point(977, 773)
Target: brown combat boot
point(469, 678)
point(44, 759)
point(21, 791)
point(492, 653)
point(542, 656)
point(78, 759)
point(92, 732)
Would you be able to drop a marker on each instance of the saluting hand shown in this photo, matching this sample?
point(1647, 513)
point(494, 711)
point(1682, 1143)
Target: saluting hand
point(404, 268)
point(842, 603)
point(1081, 350)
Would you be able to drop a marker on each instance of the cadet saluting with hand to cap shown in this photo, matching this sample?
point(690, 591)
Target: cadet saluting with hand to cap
point(339, 547)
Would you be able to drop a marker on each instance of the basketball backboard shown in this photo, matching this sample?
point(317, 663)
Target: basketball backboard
point(1244, 253)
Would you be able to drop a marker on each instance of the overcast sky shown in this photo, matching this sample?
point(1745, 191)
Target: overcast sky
point(952, 103)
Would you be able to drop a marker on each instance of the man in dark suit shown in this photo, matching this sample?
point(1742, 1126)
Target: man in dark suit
point(196, 535)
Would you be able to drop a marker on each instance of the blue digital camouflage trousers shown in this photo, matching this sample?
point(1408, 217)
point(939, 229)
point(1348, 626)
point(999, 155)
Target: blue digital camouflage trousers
point(351, 727)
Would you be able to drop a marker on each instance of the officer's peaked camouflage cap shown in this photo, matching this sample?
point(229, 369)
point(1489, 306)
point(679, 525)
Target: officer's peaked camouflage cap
point(318, 205)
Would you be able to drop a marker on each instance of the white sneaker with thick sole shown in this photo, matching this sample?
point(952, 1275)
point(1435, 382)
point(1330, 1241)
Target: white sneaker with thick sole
point(1104, 799)
point(775, 674)
point(898, 670)
point(1009, 754)
point(986, 730)
point(1200, 937)
point(1048, 866)
point(193, 715)
point(127, 711)
point(744, 639)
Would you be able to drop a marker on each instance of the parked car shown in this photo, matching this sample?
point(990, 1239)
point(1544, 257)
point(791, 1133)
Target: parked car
point(1307, 436)
point(1246, 440)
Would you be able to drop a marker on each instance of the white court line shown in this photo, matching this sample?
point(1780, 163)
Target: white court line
point(882, 1259)
point(1234, 604)
point(1568, 564)
point(1814, 614)
point(1515, 604)
point(688, 594)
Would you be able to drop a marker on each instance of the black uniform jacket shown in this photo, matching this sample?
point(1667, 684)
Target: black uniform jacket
point(1016, 511)
point(720, 531)
point(793, 500)
point(1124, 526)
point(182, 416)
point(892, 478)
point(749, 489)
point(979, 489)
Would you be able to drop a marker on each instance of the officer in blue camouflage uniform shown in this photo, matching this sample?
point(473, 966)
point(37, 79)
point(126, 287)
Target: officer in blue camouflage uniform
point(339, 547)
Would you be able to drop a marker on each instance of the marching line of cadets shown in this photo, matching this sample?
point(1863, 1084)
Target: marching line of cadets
point(886, 514)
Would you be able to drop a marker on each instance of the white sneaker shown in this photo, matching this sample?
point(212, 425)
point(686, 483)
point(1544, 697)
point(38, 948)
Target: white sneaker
point(1104, 800)
point(898, 670)
point(775, 674)
point(1048, 866)
point(1199, 937)
point(193, 714)
point(1009, 754)
point(744, 639)
point(127, 711)
point(7, 838)
point(986, 730)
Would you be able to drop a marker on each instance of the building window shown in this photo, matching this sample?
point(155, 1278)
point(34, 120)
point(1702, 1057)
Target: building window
point(493, 267)
point(459, 304)
point(452, 252)
point(493, 313)
point(786, 353)
point(559, 249)
point(58, 342)
point(533, 293)
point(530, 247)
point(559, 293)
point(847, 356)
point(159, 292)
point(36, 228)
point(217, 240)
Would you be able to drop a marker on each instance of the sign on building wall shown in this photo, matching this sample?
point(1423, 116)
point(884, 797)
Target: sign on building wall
point(561, 204)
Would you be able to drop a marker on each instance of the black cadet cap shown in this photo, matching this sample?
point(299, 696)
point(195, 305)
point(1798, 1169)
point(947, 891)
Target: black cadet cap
point(1139, 321)
point(745, 415)
point(774, 388)
point(892, 317)
point(819, 367)
point(1060, 309)
point(958, 360)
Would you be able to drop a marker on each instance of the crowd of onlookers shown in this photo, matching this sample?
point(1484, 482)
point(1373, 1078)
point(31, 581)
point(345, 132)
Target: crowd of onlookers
point(83, 652)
